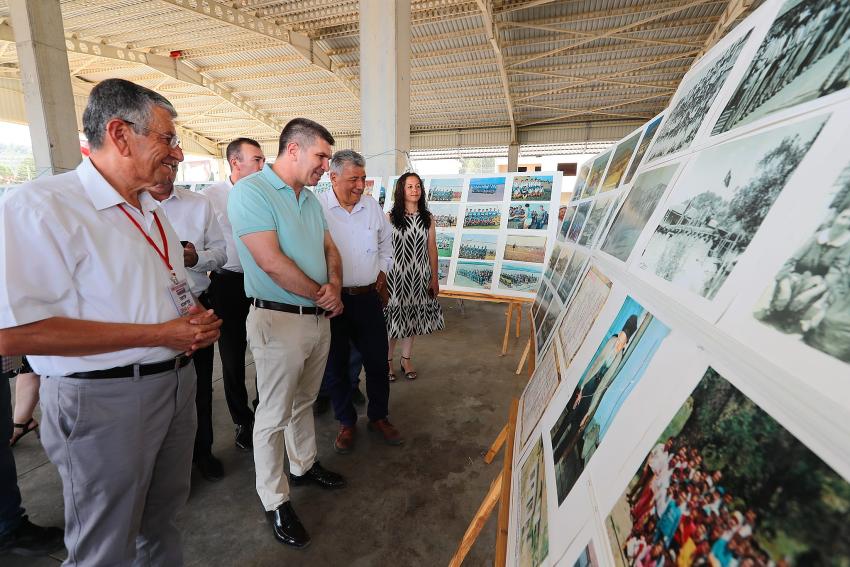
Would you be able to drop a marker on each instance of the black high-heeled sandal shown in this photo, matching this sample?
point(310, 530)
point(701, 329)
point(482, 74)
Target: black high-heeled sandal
point(30, 425)
point(409, 375)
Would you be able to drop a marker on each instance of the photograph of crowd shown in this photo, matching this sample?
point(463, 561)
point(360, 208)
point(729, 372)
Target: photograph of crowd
point(445, 189)
point(648, 135)
point(477, 246)
point(486, 189)
point(639, 205)
point(528, 216)
point(572, 273)
point(479, 216)
point(533, 538)
point(805, 55)
point(602, 205)
point(445, 243)
point(621, 158)
point(720, 202)
point(525, 248)
point(565, 224)
point(443, 265)
point(444, 215)
point(595, 175)
point(578, 221)
point(531, 188)
point(474, 274)
point(810, 296)
point(615, 369)
point(519, 277)
point(693, 101)
point(725, 486)
point(581, 180)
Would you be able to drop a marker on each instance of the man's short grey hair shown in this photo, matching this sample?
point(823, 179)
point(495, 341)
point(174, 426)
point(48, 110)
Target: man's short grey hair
point(117, 98)
point(343, 157)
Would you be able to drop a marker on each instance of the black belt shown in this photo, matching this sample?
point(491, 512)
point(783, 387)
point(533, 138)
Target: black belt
point(132, 370)
point(359, 289)
point(287, 308)
point(228, 273)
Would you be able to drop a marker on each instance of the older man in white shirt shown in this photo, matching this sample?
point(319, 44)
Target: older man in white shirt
point(227, 292)
point(192, 216)
point(363, 236)
point(96, 295)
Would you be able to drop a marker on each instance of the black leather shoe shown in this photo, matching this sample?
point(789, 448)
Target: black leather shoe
point(357, 397)
point(319, 475)
point(287, 527)
point(210, 468)
point(244, 438)
point(30, 540)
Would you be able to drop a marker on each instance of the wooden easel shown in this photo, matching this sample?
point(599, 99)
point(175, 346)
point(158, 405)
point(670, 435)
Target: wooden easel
point(500, 491)
point(528, 352)
point(515, 305)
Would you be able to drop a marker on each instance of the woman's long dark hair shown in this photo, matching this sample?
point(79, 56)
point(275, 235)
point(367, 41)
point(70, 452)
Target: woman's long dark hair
point(397, 212)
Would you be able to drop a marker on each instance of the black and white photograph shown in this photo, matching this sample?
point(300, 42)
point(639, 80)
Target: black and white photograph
point(547, 326)
point(602, 205)
point(565, 224)
point(621, 158)
point(533, 536)
point(693, 101)
point(561, 265)
point(648, 136)
point(541, 303)
point(809, 298)
point(805, 55)
point(639, 205)
point(720, 202)
point(578, 221)
point(581, 180)
point(549, 272)
point(595, 175)
point(571, 276)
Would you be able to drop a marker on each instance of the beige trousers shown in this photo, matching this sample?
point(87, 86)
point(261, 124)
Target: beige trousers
point(290, 352)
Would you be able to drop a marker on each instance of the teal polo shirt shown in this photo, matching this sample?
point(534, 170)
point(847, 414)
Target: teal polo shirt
point(262, 202)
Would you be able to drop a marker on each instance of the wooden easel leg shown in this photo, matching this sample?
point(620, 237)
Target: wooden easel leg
point(505, 496)
point(478, 520)
point(524, 357)
point(519, 319)
point(497, 444)
point(508, 317)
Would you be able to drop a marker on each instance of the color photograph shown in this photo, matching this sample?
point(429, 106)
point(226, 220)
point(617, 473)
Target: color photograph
point(445, 189)
point(519, 277)
point(531, 188)
point(443, 265)
point(582, 313)
point(529, 216)
point(727, 485)
point(578, 221)
point(474, 274)
point(525, 248)
point(445, 242)
point(445, 215)
point(482, 216)
point(587, 558)
point(561, 265)
point(693, 101)
point(648, 135)
point(549, 273)
point(565, 225)
point(638, 207)
point(541, 303)
point(595, 175)
point(571, 276)
point(486, 189)
point(477, 246)
point(809, 298)
point(581, 180)
point(533, 539)
point(806, 55)
point(719, 204)
point(617, 366)
point(621, 158)
point(602, 205)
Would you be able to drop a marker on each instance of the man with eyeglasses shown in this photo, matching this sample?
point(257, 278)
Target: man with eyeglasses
point(106, 318)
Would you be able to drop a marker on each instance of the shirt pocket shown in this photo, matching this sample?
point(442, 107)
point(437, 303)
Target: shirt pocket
point(369, 241)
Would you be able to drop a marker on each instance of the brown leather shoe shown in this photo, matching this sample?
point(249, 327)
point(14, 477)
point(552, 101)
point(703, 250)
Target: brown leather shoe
point(385, 428)
point(344, 439)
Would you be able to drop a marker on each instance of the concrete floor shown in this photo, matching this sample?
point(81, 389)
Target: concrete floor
point(404, 506)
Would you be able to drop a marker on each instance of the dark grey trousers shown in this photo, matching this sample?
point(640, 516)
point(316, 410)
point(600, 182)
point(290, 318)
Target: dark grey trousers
point(123, 448)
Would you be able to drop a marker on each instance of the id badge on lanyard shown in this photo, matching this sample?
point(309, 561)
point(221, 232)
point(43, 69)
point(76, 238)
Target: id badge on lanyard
point(179, 290)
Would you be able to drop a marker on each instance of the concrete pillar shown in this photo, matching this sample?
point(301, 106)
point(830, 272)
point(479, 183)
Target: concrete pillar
point(46, 81)
point(385, 85)
point(513, 156)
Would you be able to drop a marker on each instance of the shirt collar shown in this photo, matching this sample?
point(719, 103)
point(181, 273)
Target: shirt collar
point(334, 202)
point(271, 177)
point(102, 194)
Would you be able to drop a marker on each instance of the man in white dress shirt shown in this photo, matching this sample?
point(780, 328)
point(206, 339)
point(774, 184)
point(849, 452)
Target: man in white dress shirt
point(192, 216)
point(363, 236)
point(96, 296)
point(227, 292)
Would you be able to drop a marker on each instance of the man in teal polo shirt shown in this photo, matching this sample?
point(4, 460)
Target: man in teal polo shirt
point(293, 272)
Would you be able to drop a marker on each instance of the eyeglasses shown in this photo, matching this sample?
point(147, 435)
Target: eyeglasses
point(173, 140)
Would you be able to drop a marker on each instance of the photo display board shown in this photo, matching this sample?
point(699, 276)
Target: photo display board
point(691, 400)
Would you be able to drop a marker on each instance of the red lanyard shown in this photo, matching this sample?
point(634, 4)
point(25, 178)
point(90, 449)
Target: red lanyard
point(163, 255)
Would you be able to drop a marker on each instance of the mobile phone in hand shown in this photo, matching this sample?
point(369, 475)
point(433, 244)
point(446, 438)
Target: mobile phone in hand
point(183, 243)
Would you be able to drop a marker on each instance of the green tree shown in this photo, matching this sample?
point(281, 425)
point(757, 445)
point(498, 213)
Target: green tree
point(478, 165)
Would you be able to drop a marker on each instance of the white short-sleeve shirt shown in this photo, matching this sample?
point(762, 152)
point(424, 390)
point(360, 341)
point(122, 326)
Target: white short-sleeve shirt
point(69, 251)
point(218, 194)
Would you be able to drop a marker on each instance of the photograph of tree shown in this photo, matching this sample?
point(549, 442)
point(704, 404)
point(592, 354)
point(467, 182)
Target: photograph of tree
point(525, 248)
point(720, 202)
point(477, 246)
point(618, 364)
point(648, 135)
point(445, 242)
point(520, 277)
point(486, 189)
point(578, 221)
point(443, 265)
point(533, 539)
point(581, 179)
point(531, 188)
point(810, 296)
point(474, 274)
point(572, 273)
point(598, 214)
point(694, 99)
point(445, 189)
point(595, 175)
point(805, 55)
point(565, 225)
point(639, 205)
point(728, 485)
point(444, 214)
point(621, 158)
